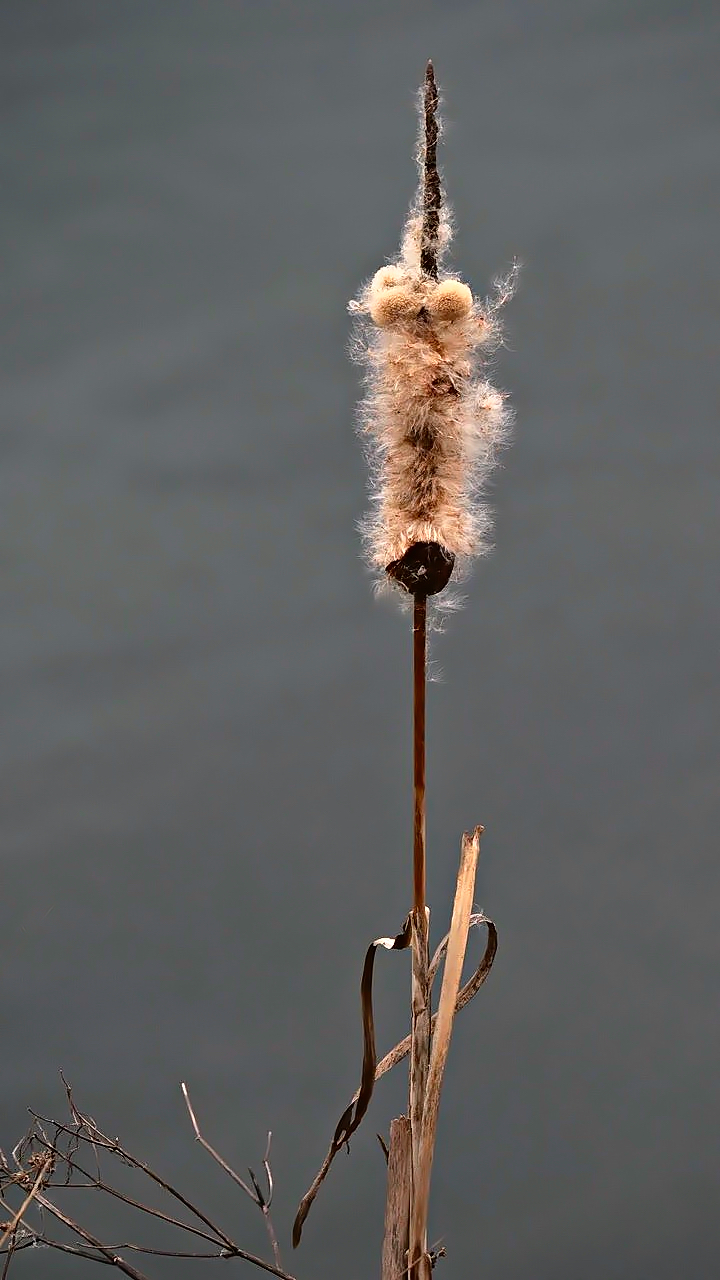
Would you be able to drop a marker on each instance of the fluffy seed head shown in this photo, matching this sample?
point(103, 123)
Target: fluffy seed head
point(431, 421)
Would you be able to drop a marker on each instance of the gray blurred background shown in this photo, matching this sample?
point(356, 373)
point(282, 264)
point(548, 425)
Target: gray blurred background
point(205, 729)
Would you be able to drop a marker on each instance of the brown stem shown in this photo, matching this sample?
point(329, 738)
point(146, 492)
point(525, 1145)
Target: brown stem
point(9, 1256)
point(420, 1010)
point(108, 1255)
point(419, 661)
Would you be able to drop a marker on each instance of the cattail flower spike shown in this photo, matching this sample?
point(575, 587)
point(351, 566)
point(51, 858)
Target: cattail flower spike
point(431, 421)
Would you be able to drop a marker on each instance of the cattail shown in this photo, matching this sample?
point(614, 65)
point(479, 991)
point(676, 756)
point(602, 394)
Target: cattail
point(432, 422)
point(433, 425)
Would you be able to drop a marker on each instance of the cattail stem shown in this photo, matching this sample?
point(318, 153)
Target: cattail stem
point(420, 1011)
point(419, 662)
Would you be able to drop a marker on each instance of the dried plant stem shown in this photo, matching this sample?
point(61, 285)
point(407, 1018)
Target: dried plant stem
point(419, 685)
point(420, 1010)
point(397, 1205)
point(455, 956)
point(108, 1254)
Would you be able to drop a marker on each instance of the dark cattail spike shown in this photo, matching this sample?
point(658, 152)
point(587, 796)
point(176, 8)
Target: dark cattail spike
point(432, 192)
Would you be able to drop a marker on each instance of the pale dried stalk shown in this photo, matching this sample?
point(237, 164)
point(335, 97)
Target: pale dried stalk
point(457, 943)
point(397, 1205)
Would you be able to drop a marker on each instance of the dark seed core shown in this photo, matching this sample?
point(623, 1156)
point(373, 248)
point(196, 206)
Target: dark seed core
point(424, 569)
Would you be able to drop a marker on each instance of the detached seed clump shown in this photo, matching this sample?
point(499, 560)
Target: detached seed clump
point(432, 422)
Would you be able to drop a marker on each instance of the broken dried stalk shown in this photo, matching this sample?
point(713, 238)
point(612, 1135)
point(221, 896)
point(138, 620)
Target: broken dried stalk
point(457, 944)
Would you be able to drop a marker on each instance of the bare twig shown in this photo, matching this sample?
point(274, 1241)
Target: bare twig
point(266, 1200)
point(100, 1184)
point(89, 1131)
point(256, 1195)
point(211, 1150)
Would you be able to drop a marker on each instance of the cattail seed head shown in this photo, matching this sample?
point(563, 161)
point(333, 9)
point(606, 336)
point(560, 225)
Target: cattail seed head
point(431, 422)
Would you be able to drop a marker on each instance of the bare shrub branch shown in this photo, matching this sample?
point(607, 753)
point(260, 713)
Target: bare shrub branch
point(47, 1165)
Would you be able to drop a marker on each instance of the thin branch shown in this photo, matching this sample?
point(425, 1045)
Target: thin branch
point(32, 1241)
point(228, 1251)
point(8, 1257)
point(99, 1184)
point(114, 1259)
point(256, 1195)
point(268, 1170)
point(211, 1150)
point(96, 1136)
